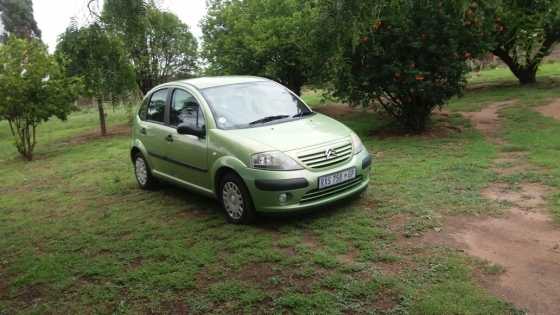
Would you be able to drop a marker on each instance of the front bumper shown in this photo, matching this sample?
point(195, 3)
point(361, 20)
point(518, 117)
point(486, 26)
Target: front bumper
point(300, 186)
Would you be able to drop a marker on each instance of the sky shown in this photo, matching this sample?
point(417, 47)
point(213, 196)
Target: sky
point(53, 16)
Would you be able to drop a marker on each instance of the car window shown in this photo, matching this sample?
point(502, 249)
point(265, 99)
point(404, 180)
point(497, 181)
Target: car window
point(156, 106)
point(248, 104)
point(185, 110)
point(143, 109)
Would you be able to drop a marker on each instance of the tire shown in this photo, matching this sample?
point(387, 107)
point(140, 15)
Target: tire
point(143, 173)
point(236, 200)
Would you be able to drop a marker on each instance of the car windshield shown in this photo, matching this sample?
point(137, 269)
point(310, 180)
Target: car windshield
point(253, 104)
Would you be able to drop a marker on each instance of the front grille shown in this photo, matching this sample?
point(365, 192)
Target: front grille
point(318, 158)
point(318, 194)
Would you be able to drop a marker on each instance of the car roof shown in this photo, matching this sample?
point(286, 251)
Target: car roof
point(209, 82)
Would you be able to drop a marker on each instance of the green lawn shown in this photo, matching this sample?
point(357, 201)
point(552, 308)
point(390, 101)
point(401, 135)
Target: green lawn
point(502, 74)
point(78, 236)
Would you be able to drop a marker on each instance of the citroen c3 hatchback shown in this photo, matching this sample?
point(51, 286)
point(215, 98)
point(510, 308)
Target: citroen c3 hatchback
point(247, 141)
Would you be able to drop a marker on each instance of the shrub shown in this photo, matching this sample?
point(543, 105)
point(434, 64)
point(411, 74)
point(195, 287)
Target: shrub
point(410, 57)
point(33, 89)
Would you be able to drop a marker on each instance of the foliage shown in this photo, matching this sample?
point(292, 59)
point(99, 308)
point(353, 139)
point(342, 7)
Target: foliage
point(407, 57)
point(161, 46)
point(33, 88)
point(524, 33)
point(260, 37)
point(17, 18)
point(100, 59)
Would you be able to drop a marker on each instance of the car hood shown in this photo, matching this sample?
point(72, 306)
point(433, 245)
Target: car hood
point(297, 134)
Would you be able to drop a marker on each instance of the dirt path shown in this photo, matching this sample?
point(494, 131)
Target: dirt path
point(524, 241)
point(551, 110)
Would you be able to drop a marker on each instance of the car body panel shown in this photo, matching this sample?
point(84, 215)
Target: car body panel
point(295, 134)
point(187, 158)
point(194, 162)
point(152, 136)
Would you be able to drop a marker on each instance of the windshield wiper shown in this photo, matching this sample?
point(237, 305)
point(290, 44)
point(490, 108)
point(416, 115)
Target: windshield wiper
point(269, 119)
point(301, 114)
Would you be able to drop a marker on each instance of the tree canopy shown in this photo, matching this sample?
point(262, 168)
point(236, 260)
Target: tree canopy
point(260, 37)
point(405, 57)
point(18, 20)
point(524, 32)
point(100, 59)
point(160, 45)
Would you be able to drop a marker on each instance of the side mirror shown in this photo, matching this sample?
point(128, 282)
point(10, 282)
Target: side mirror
point(184, 129)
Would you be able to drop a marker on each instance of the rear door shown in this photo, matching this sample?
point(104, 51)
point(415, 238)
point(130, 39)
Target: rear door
point(188, 154)
point(153, 131)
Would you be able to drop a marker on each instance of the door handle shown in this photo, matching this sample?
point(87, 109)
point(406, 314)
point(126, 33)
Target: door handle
point(143, 131)
point(169, 138)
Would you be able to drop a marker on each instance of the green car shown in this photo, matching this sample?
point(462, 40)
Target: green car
point(249, 142)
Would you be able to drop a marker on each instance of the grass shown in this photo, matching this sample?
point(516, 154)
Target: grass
point(502, 74)
point(314, 97)
point(78, 236)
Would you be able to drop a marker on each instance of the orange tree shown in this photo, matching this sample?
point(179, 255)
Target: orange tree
point(404, 57)
point(525, 32)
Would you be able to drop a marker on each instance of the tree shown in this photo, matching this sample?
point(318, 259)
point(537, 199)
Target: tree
point(100, 59)
point(17, 19)
point(260, 37)
point(160, 45)
point(525, 31)
point(405, 57)
point(33, 88)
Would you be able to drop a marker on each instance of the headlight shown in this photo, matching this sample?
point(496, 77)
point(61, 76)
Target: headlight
point(274, 161)
point(357, 144)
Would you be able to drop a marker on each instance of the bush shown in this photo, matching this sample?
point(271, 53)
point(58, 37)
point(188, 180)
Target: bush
point(33, 88)
point(410, 57)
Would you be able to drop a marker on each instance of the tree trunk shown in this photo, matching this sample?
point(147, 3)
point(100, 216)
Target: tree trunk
point(527, 75)
point(145, 84)
point(296, 89)
point(295, 85)
point(102, 117)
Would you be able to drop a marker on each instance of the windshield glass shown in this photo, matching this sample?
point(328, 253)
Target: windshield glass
point(253, 104)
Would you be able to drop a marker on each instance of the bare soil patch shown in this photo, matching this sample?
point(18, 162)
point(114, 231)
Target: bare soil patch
point(487, 121)
point(113, 131)
point(511, 163)
point(551, 110)
point(524, 240)
point(335, 110)
point(440, 129)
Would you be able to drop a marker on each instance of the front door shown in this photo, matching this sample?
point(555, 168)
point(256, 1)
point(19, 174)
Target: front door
point(188, 155)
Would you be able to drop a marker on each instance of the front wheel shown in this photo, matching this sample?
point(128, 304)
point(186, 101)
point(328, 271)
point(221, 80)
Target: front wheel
point(235, 199)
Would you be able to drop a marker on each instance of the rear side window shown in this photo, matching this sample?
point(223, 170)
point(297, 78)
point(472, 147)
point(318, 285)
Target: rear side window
point(156, 106)
point(143, 109)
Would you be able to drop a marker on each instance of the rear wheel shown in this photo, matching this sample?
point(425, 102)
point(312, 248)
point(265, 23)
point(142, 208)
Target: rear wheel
point(143, 172)
point(236, 200)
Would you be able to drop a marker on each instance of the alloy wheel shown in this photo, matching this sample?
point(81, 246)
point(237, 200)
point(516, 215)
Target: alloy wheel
point(233, 200)
point(141, 171)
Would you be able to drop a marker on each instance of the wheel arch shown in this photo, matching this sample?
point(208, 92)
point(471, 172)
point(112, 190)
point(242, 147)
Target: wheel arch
point(223, 166)
point(138, 147)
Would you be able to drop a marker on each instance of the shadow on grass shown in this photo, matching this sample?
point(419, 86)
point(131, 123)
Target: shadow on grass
point(201, 206)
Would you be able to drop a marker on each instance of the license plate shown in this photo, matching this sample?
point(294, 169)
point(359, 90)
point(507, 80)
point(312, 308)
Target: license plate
point(337, 178)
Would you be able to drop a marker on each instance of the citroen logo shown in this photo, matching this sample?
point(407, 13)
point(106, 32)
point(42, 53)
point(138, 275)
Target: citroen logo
point(330, 153)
